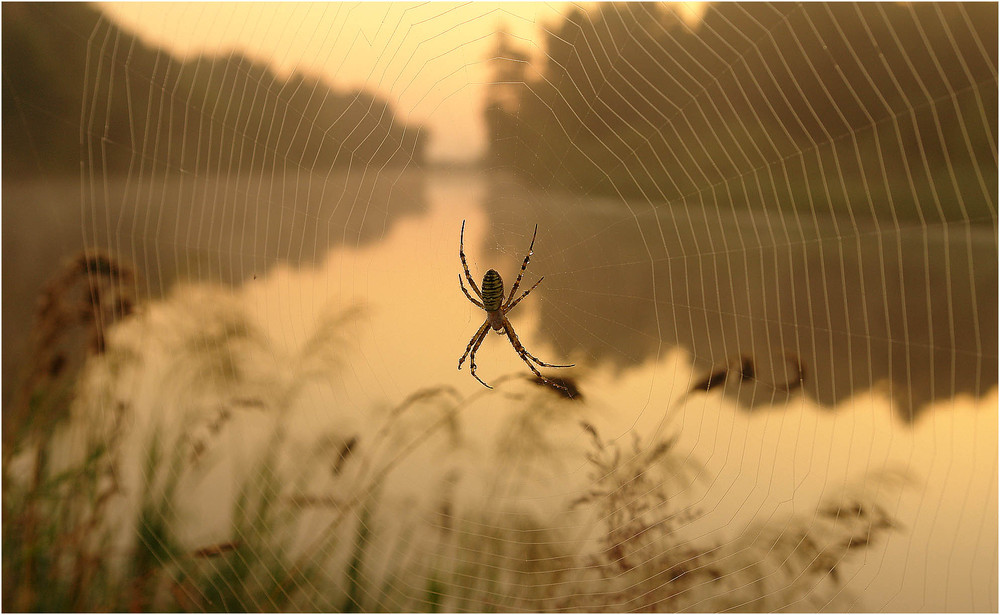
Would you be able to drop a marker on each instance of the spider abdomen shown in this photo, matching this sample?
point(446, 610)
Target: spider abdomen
point(492, 291)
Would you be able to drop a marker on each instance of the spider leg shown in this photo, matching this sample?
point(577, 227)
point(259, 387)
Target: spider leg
point(543, 363)
point(476, 303)
point(536, 359)
point(480, 333)
point(524, 265)
point(465, 265)
point(472, 358)
point(523, 295)
point(516, 343)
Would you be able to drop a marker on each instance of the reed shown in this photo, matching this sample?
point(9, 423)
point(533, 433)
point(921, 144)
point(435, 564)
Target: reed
point(121, 503)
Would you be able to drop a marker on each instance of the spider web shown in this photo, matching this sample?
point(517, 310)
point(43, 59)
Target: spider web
point(769, 241)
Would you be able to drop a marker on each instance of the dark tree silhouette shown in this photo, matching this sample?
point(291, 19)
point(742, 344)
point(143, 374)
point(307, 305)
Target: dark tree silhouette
point(897, 103)
point(144, 107)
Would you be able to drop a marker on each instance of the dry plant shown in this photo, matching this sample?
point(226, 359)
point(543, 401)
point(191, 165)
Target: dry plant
point(51, 516)
point(646, 561)
point(74, 312)
point(385, 514)
point(101, 455)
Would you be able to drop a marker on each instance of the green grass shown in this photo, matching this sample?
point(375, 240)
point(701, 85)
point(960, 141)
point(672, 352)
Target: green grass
point(62, 551)
point(61, 554)
point(54, 556)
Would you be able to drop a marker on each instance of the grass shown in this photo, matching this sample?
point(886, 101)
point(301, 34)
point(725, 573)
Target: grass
point(324, 530)
point(59, 554)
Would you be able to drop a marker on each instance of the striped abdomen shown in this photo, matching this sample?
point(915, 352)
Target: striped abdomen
point(492, 291)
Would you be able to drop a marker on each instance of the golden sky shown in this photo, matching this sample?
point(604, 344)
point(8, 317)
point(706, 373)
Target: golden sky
point(429, 60)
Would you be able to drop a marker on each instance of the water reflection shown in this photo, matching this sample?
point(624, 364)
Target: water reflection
point(909, 310)
point(227, 229)
point(327, 349)
point(760, 471)
point(757, 466)
point(209, 229)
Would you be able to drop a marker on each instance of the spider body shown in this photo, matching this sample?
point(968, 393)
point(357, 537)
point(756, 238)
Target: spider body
point(491, 300)
point(492, 291)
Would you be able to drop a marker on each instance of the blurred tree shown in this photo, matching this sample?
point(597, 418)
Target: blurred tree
point(894, 105)
point(41, 106)
point(144, 109)
point(504, 95)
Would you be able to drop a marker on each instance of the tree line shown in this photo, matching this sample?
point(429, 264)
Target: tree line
point(142, 106)
point(876, 110)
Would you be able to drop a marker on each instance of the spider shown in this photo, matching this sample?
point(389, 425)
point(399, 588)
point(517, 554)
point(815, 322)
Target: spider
point(496, 308)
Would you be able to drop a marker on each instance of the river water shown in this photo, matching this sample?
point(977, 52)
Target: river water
point(909, 310)
point(893, 330)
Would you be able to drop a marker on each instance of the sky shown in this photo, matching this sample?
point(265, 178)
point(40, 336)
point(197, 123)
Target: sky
point(429, 59)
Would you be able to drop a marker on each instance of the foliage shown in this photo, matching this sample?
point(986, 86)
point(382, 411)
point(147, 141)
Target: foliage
point(60, 553)
point(57, 57)
point(829, 108)
point(105, 511)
